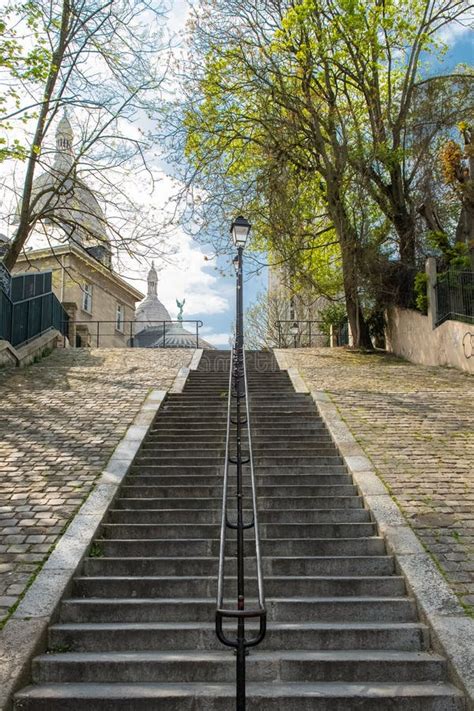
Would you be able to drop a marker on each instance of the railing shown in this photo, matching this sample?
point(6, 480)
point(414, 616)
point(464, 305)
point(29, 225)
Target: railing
point(455, 297)
point(125, 333)
point(21, 321)
point(5, 316)
point(238, 390)
point(300, 334)
point(5, 279)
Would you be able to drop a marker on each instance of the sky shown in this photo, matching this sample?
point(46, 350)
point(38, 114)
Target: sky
point(192, 275)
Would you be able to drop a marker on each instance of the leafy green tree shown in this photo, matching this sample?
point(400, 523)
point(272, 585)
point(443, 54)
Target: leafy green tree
point(255, 113)
point(24, 57)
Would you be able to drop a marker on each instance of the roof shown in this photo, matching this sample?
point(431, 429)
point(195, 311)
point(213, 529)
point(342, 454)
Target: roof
point(172, 335)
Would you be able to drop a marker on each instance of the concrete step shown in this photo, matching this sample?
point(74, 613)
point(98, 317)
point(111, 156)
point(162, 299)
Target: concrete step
point(320, 566)
point(202, 665)
point(261, 697)
point(117, 636)
point(332, 609)
point(160, 457)
point(186, 587)
point(165, 547)
point(278, 406)
point(292, 531)
point(166, 449)
point(275, 503)
point(263, 481)
point(144, 486)
point(175, 515)
point(138, 632)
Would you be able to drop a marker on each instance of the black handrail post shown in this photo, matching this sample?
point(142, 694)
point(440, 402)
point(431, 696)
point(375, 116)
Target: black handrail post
point(240, 521)
point(238, 390)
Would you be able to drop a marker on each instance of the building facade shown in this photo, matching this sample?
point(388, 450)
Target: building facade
point(100, 304)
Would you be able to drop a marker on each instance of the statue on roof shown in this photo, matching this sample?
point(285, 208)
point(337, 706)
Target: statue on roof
point(180, 305)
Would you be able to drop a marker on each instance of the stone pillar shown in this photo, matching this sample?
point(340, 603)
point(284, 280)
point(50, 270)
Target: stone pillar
point(71, 309)
point(331, 336)
point(430, 268)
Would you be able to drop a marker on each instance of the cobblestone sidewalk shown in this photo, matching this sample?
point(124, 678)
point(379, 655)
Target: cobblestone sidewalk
point(60, 421)
point(416, 423)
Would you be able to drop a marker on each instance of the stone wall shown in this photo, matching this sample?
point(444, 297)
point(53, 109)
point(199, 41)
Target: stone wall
point(410, 334)
point(60, 421)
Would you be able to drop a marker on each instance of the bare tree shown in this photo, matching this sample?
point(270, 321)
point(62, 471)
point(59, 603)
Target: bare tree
point(107, 64)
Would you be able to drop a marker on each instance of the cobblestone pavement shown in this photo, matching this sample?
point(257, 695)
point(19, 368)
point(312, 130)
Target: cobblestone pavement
point(416, 423)
point(60, 421)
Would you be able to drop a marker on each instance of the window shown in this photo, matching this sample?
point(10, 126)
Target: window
point(119, 317)
point(87, 297)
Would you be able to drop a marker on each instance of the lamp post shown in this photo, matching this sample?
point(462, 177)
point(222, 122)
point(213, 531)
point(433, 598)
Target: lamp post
point(294, 330)
point(239, 229)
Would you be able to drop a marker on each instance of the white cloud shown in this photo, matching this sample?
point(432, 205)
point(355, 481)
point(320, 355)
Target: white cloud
point(452, 32)
point(216, 339)
point(189, 277)
point(178, 15)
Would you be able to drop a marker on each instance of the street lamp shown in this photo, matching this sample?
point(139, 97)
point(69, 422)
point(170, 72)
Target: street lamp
point(294, 331)
point(240, 229)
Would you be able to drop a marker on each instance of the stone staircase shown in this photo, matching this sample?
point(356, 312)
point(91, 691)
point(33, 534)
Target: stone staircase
point(137, 631)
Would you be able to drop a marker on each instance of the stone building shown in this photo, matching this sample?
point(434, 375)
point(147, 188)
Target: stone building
point(83, 278)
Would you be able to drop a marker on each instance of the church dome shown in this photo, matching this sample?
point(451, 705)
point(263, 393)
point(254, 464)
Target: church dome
point(150, 329)
point(66, 200)
point(176, 336)
point(151, 309)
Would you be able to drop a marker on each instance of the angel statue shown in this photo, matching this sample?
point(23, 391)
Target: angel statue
point(180, 305)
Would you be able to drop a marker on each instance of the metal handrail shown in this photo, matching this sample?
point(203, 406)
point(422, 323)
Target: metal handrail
point(130, 332)
point(240, 643)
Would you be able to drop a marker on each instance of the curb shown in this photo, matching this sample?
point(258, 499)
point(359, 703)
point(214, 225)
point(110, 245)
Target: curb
point(25, 633)
point(452, 631)
point(182, 376)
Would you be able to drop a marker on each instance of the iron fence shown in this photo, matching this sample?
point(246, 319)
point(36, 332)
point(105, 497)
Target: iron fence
point(22, 321)
point(455, 296)
point(5, 316)
point(300, 334)
point(130, 334)
point(26, 286)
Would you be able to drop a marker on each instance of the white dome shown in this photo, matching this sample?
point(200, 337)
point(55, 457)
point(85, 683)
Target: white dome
point(151, 309)
point(64, 199)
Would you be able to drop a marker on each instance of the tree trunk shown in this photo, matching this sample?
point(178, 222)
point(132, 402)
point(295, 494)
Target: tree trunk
point(25, 221)
point(349, 247)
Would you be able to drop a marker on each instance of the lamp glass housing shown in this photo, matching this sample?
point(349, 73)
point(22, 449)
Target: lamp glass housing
point(240, 229)
point(294, 329)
